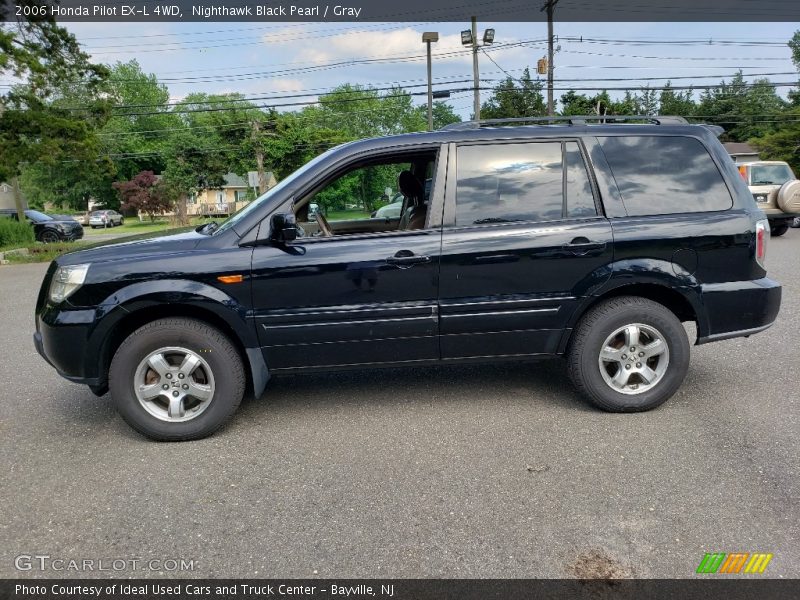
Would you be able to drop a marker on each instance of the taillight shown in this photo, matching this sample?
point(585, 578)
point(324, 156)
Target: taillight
point(743, 172)
point(762, 235)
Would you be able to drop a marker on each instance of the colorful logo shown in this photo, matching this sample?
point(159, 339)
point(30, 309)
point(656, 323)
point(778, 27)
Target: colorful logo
point(735, 562)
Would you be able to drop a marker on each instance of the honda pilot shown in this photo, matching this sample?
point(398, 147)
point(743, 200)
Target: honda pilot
point(592, 242)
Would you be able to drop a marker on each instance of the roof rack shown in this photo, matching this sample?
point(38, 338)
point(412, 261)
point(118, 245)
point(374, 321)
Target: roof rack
point(567, 119)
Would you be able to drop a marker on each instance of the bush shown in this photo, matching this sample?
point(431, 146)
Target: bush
point(14, 233)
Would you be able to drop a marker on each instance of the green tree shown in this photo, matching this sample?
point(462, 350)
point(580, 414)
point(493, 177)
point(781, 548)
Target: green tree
point(137, 134)
point(193, 163)
point(675, 102)
point(740, 107)
point(34, 125)
point(783, 142)
point(443, 114)
point(360, 112)
point(515, 99)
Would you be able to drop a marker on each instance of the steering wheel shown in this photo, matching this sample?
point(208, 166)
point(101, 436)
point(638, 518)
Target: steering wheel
point(324, 227)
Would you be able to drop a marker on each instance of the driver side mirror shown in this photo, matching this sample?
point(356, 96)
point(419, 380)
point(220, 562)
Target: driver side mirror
point(283, 228)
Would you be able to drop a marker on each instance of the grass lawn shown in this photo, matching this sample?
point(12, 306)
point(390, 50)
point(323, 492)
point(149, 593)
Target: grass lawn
point(346, 215)
point(44, 252)
point(135, 227)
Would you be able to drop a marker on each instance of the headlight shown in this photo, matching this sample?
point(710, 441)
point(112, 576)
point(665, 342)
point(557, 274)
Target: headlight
point(66, 280)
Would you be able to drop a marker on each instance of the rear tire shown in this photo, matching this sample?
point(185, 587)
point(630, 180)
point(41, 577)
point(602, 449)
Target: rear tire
point(146, 389)
point(603, 368)
point(778, 230)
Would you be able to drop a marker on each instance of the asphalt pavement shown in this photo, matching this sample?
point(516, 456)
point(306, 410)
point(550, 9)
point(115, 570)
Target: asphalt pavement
point(479, 471)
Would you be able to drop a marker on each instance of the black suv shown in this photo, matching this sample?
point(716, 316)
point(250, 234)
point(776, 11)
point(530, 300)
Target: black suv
point(592, 242)
point(48, 228)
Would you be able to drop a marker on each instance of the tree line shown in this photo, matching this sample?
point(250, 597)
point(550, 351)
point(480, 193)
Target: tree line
point(72, 131)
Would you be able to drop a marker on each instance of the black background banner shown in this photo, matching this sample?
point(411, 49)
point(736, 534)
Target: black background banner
point(712, 588)
point(405, 11)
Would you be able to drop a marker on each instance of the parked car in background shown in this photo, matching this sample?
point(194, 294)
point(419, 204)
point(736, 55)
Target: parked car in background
point(105, 218)
point(49, 228)
point(776, 190)
point(391, 210)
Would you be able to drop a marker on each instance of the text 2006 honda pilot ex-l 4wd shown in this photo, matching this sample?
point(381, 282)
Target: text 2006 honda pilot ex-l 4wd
point(592, 242)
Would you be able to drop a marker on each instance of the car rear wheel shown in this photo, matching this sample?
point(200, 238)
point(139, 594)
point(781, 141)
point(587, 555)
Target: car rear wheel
point(779, 230)
point(176, 379)
point(628, 354)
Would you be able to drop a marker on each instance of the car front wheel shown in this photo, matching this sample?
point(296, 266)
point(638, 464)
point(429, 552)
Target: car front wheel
point(50, 237)
point(628, 354)
point(176, 379)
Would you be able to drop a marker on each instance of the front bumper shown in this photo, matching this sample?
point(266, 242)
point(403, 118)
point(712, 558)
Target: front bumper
point(65, 342)
point(739, 308)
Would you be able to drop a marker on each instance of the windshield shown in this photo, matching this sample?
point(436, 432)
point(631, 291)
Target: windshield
point(264, 198)
point(770, 175)
point(35, 215)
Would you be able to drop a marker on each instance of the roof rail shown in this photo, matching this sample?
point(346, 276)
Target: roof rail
point(568, 120)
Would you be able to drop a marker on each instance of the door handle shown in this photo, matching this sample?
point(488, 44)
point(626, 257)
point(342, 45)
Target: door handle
point(582, 245)
point(406, 258)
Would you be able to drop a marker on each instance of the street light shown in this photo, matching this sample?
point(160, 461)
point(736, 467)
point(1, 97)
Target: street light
point(469, 37)
point(429, 37)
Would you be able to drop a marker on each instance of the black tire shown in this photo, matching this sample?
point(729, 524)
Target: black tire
point(49, 237)
point(216, 349)
point(795, 223)
point(600, 323)
point(778, 230)
point(94, 226)
point(122, 221)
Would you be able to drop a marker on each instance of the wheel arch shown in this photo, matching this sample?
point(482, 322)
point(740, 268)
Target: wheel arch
point(681, 303)
point(142, 310)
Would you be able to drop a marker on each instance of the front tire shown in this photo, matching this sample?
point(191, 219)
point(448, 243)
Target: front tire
point(176, 379)
point(628, 354)
point(50, 237)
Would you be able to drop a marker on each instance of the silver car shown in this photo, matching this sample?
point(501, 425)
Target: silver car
point(105, 218)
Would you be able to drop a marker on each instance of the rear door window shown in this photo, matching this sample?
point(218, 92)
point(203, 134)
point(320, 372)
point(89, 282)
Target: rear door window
point(532, 181)
point(659, 175)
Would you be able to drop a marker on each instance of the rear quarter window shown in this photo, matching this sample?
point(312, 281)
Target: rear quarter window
point(659, 175)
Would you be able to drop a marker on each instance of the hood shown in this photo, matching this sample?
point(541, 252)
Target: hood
point(148, 244)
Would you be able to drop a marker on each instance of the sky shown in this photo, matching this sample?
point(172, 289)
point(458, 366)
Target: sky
point(268, 59)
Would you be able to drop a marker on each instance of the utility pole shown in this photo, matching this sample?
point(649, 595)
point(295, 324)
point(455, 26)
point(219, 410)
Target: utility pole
point(263, 184)
point(428, 37)
point(469, 37)
point(477, 107)
point(18, 203)
point(549, 6)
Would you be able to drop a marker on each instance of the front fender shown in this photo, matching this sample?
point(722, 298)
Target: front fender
point(149, 295)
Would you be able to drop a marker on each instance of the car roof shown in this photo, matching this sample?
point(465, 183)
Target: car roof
point(523, 132)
